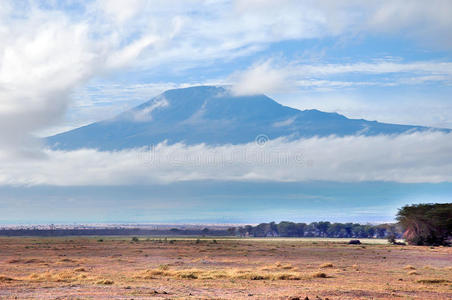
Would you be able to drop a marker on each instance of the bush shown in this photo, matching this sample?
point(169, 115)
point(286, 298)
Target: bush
point(392, 238)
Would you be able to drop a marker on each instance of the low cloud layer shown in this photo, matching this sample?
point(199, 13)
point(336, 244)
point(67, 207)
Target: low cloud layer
point(409, 158)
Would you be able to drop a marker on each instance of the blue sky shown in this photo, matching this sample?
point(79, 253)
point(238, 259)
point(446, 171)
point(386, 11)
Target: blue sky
point(417, 79)
point(64, 64)
point(141, 48)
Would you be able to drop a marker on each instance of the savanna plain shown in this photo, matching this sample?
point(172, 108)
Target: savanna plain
point(209, 268)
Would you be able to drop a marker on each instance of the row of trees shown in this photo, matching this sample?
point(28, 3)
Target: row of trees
point(419, 224)
point(318, 229)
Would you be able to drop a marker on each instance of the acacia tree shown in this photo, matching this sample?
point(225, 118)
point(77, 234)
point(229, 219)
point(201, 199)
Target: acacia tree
point(426, 224)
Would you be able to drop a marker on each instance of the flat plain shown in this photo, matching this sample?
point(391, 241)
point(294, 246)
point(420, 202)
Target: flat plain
point(209, 268)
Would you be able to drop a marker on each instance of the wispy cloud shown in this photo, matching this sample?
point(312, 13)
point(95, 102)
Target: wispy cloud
point(145, 114)
point(270, 77)
point(378, 67)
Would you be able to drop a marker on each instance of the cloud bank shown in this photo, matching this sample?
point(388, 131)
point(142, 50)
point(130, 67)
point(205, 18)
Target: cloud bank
point(408, 158)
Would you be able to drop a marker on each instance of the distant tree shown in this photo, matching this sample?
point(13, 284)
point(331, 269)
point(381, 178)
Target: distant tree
point(260, 230)
point(232, 230)
point(381, 231)
point(300, 228)
point(241, 231)
point(310, 230)
point(314, 229)
point(337, 230)
point(323, 228)
point(348, 227)
point(248, 229)
point(426, 224)
point(274, 228)
point(359, 230)
point(288, 229)
point(370, 230)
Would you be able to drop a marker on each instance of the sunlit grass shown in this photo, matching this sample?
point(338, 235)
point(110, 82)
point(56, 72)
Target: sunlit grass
point(247, 274)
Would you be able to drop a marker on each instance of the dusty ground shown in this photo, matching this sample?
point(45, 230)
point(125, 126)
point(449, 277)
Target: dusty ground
point(101, 268)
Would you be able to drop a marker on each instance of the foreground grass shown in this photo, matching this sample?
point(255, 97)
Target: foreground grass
point(195, 267)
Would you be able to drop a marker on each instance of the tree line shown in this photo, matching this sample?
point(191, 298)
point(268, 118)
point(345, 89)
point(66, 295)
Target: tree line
point(418, 224)
point(318, 229)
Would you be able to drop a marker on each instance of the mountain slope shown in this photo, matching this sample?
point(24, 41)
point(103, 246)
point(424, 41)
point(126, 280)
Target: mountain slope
point(211, 115)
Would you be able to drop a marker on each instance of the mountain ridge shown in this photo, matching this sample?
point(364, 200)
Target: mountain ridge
point(212, 115)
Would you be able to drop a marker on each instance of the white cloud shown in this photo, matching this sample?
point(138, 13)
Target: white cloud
point(35, 78)
point(412, 158)
point(271, 77)
point(120, 11)
point(378, 67)
point(428, 21)
point(284, 123)
point(425, 21)
point(145, 114)
point(260, 78)
point(130, 52)
point(44, 56)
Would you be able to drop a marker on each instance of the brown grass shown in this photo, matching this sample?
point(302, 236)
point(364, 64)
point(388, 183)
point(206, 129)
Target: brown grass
point(433, 281)
point(67, 260)
point(319, 275)
point(50, 268)
point(6, 278)
point(105, 281)
point(80, 270)
point(279, 266)
point(25, 261)
point(57, 276)
point(409, 267)
point(226, 274)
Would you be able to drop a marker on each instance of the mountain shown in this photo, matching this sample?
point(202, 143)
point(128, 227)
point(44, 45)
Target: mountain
point(214, 116)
